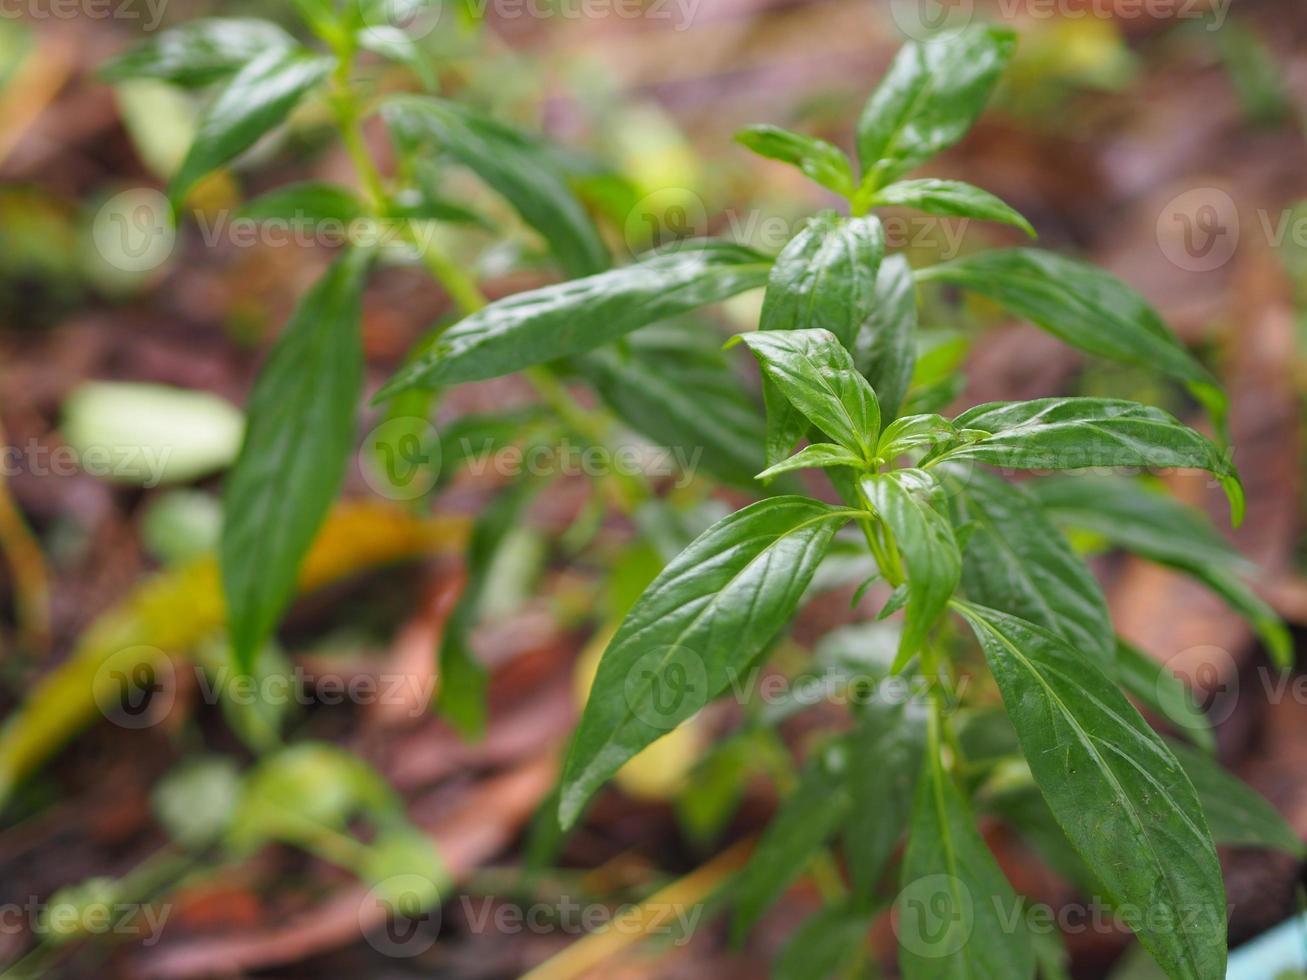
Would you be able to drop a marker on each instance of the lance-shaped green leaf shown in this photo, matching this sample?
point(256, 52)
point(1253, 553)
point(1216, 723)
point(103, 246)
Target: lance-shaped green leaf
point(807, 817)
point(521, 169)
point(1081, 433)
point(1021, 805)
point(929, 98)
point(827, 944)
point(671, 383)
point(398, 45)
point(696, 628)
point(572, 317)
point(255, 100)
point(463, 680)
point(1084, 306)
point(1160, 528)
point(958, 917)
point(819, 160)
point(198, 53)
point(914, 433)
point(820, 455)
point(310, 201)
point(909, 503)
point(885, 753)
point(815, 374)
point(1117, 791)
point(1159, 690)
point(953, 199)
point(300, 433)
point(825, 277)
point(1017, 561)
point(1237, 814)
point(885, 349)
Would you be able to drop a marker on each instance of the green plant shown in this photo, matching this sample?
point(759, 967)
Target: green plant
point(837, 349)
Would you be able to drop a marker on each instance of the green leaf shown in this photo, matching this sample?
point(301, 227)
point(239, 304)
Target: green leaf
point(1159, 690)
point(1080, 433)
point(951, 198)
point(198, 53)
point(1023, 807)
point(519, 168)
point(150, 434)
point(463, 680)
point(700, 624)
point(885, 756)
point(1161, 529)
point(571, 317)
point(908, 501)
point(885, 348)
point(715, 786)
point(308, 202)
point(824, 277)
point(1017, 561)
point(393, 43)
point(815, 374)
point(958, 916)
point(806, 818)
point(819, 160)
point(196, 800)
point(915, 432)
point(819, 456)
point(325, 20)
point(1084, 306)
point(300, 434)
point(928, 100)
point(1117, 791)
point(256, 99)
point(671, 383)
point(824, 946)
point(1237, 814)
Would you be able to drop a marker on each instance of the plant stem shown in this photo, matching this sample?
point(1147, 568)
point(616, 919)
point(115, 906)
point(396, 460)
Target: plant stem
point(351, 133)
point(31, 580)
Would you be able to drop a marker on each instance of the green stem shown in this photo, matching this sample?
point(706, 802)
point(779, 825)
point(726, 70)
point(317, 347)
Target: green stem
point(351, 133)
